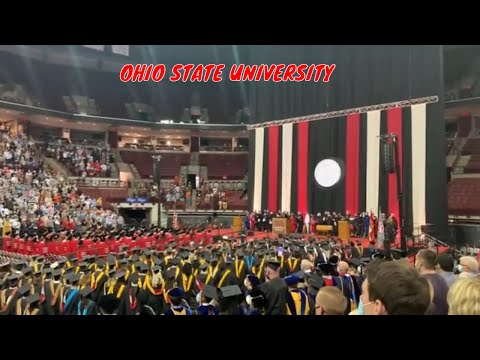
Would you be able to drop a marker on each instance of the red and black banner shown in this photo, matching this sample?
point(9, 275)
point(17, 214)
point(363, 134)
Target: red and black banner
point(284, 158)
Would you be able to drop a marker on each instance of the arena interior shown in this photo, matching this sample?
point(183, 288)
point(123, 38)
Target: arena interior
point(356, 196)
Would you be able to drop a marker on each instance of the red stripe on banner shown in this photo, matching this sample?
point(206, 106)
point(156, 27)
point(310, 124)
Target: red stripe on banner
point(273, 135)
point(302, 167)
point(394, 124)
point(352, 164)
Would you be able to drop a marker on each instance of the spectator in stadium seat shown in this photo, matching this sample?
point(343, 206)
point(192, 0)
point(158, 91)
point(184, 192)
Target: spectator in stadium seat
point(464, 297)
point(407, 294)
point(425, 263)
point(445, 266)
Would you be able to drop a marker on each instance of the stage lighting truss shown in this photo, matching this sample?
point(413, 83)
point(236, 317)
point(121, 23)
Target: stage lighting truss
point(359, 110)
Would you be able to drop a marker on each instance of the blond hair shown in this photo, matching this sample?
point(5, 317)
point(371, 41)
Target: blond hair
point(470, 262)
point(464, 297)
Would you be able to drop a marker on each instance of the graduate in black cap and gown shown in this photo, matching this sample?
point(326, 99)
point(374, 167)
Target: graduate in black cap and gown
point(256, 302)
point(130, 304)
point(72, 296)
point(9, 296)
point(21, 304)
point(275, 289)
point(229, 299)
point(86, 306)
point(188, 283)
point(33, 306)
point(153, 294)
point(53, 292)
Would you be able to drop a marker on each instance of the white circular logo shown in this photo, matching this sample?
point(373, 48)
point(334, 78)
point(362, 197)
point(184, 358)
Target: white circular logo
point(328, 173)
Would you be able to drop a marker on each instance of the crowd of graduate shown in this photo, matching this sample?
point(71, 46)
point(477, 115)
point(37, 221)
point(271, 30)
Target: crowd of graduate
point(232, 276)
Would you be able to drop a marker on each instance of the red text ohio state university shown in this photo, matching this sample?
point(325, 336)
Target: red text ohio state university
point(236, 72)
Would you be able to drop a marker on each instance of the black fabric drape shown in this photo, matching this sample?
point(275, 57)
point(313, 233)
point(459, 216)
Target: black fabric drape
point(331, 144)
point(364, 75)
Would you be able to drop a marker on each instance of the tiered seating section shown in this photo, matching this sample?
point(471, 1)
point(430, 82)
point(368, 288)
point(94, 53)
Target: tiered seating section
point(464, 196)
point(229, 166)
point(110, 195)
point(170, 163)
point(234, 201)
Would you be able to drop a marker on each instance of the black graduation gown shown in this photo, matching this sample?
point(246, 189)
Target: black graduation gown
point(71, 299)
point(240, 270)
point(99, 286)
point(51, 305)
point(189, 286)
point(275, 296)
point(228, 279)
point(292, 265)
point(155, 301)
point(129, 304)
point(91, 308)
point(9, 308)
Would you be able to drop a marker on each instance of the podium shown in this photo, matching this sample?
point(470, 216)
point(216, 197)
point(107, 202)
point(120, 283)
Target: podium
point(344, 230)
point(280, 226)
point(237, 223)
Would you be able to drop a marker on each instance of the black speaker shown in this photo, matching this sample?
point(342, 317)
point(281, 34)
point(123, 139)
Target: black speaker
point(388, 162)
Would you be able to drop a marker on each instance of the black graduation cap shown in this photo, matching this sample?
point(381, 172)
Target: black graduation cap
point(27, 270)
point(40, 259)
point(24, 290)
point(73, 278)
point(158, 261)
point(326, 269)
point(230, 291)
point(229, 261)
point(240, 253)
point(143, 267)
point(111, 272)
point(170, 273)
point(174, 261)
point(13, 278)
point(315, 282)
point(121, 262)
point(101, 263)
point(184, 254)
point(32, 299)
point(37, 273)
point(135, 258)
point(57, 273)
point(203, 266)
point(334, 260)
point(210, 292)
point(355, 262)
point(147, 253)
point(86, 291)
point(273, 263)
point(61, 262)
point(133, 279)
point(47, 270)
point(121, 274)
point(156, 269)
